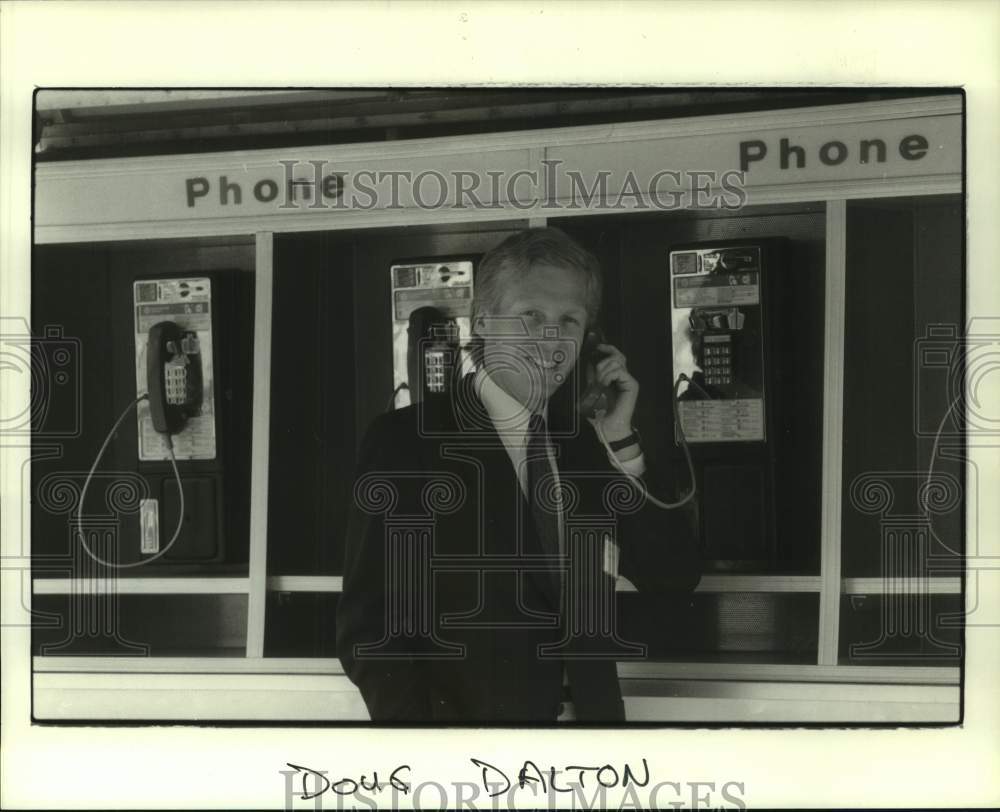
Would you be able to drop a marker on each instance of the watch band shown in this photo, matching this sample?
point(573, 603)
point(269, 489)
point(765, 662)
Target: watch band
point(625, 442)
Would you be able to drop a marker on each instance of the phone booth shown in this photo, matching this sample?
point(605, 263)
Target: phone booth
point(174, 345)
point(736, 364)
point(794, 332)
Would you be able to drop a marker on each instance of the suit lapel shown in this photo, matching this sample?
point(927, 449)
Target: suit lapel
point(509, 526)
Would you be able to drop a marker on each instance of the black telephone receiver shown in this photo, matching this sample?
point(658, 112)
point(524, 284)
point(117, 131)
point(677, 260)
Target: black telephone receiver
point(174, 376)
point(595, 397)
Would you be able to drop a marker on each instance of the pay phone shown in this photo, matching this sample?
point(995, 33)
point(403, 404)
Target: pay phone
point(718, 316)
point(431, 304)
point(186, 373)
point(174, 367)
point(724, 316)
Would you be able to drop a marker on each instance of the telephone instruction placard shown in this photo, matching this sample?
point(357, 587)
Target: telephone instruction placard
point(722, 421)
point(740, 288)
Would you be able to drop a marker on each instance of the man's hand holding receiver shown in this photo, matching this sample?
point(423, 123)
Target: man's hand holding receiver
point(616, 423)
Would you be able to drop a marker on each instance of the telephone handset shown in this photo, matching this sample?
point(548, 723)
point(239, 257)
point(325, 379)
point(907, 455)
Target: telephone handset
point(598, 398)
point(174, 376)
point(595, 397)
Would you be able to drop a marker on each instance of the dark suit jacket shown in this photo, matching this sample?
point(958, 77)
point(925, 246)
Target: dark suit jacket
point(462, 638)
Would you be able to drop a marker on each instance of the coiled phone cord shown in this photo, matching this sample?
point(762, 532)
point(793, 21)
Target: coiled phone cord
point(687, 452)
point(86, 484)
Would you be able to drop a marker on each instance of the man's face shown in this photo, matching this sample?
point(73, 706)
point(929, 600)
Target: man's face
point(547, 308)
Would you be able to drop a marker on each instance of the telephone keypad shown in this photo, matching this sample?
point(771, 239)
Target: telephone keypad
point(435, 371)
point(175, 378)
point(718, 364)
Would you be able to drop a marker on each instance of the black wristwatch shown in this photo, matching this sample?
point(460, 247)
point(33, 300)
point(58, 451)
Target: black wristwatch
point(625, 442)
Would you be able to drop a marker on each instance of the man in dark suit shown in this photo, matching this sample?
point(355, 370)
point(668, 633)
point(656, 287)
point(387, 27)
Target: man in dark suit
point(489, 526)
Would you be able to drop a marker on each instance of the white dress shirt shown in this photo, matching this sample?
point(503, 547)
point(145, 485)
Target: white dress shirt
point(510, 418)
